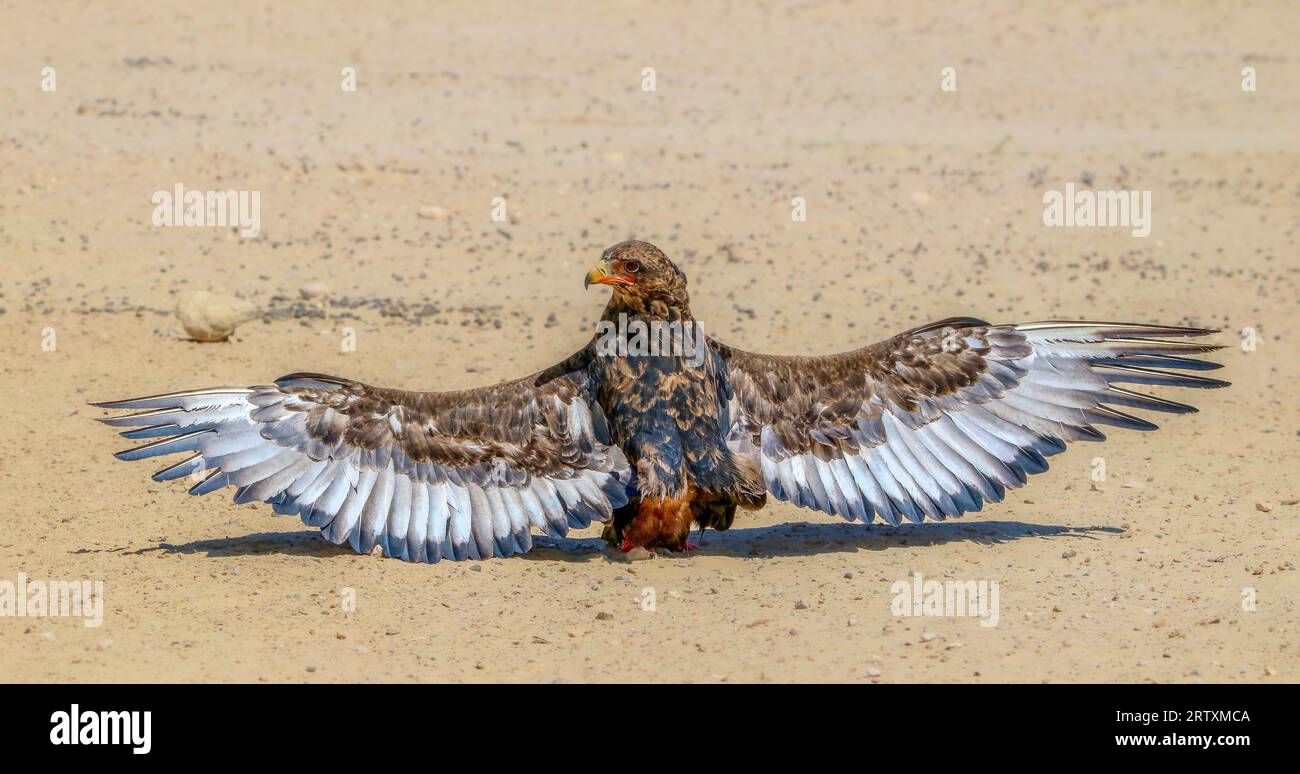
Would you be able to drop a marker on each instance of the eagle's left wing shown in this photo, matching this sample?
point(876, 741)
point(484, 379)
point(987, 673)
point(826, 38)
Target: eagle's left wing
point(424, 475)
point(940, 419)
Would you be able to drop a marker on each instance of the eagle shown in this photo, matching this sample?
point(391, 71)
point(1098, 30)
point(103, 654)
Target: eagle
point(652, 441)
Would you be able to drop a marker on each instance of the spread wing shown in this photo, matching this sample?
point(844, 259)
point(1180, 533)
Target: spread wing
point(941, 419)
point(424, 475)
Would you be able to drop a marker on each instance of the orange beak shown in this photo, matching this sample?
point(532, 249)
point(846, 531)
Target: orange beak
point(601, 275)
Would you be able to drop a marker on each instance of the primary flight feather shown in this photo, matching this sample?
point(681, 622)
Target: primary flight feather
point(933, 422)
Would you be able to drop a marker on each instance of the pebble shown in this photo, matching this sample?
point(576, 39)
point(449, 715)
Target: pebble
point(1263, 507)
point(801, 605)
point(1069, 553)
point(604, 616)
point(432, 212)
point(314, 290)
point(635, 554)
point(209, 317)
point(873, 671)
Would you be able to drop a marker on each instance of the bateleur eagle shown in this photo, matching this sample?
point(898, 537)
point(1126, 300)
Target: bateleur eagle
point(933, 422)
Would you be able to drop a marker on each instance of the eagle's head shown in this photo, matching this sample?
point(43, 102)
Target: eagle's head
point(639, 271)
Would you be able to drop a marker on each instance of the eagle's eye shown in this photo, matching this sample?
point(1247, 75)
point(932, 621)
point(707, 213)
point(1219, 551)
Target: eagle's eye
point(631, 267)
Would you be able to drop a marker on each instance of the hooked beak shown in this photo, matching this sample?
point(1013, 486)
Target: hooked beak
point(600, 275)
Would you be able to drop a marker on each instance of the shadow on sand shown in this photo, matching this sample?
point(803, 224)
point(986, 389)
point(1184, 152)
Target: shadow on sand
point(795, 539)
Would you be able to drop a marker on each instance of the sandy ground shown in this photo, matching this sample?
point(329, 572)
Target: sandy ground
point(921, 204)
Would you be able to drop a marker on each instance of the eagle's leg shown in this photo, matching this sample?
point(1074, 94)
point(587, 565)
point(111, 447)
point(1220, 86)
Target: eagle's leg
point(710, 509)
point(613, 532)
point(660, 523)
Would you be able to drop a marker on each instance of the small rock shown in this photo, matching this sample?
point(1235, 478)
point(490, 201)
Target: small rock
point(311, 668)
point(1263, 507)
point(208, 317)
point(848, 575)
point(927, 636)
point(314, 290)
point(431, 212)
point(801, 605)
point(1069, 553)
point(873, 671)
point(635, 554)
point(604, 616)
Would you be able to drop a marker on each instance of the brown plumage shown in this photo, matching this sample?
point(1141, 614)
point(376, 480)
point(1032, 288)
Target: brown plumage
point(654, 428)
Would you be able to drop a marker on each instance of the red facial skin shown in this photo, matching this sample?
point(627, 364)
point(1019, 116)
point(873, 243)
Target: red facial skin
point(603, 274)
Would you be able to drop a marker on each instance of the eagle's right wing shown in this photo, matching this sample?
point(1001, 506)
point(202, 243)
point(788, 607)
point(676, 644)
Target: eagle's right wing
point(940, 419)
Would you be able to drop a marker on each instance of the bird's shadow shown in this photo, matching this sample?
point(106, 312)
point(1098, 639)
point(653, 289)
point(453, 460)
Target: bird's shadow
point(793, 539)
